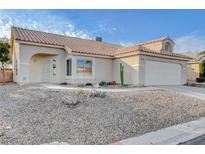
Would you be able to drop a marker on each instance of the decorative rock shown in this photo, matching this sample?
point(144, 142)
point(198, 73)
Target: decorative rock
point(8, 127)
point(70, 101)
point(37, 115)
point(1, 132)
point(91, 93)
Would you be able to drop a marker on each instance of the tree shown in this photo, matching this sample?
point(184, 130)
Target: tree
point(4, 56)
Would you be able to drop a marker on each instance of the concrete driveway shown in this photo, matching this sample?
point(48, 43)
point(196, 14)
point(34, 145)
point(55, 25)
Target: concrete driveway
point(187, 90)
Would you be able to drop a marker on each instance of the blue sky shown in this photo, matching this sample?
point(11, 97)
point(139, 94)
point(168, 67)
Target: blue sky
point(185, 27)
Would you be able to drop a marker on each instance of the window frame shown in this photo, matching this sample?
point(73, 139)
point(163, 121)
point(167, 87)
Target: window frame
point(69, 73)
point(74, 68)
point(83, 74)
point(93, 67)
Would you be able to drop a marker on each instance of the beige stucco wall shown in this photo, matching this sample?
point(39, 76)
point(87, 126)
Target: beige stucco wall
point(157, 46)
point(160, 45)
point(26, 53)
point(102, 71)
point(131, 69)
point(192, 71)
point(134, 68)
point(171, 45)
point(32, 62)
point(144, 58)
point(41, 69)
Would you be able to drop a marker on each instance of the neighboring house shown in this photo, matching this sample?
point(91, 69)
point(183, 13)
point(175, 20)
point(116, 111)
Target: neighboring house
point(46, 57)
point(196, 66)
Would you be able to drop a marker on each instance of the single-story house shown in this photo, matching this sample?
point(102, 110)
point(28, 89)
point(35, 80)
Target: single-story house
point(46, 57)
point(196, 66)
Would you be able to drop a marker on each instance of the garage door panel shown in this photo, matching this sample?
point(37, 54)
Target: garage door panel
point(161, 73)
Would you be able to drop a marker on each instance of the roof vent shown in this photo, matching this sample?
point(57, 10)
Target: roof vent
point(98, 39)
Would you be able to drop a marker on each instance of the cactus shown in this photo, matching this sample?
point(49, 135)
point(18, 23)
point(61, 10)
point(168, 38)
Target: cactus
point(122, 74)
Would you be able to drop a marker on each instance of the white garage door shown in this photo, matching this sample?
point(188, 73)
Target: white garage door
point(161, 73)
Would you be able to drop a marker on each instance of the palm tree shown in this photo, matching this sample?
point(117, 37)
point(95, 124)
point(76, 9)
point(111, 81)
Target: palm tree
point(4, 56)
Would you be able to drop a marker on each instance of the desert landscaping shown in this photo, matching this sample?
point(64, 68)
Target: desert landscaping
point(34, 114)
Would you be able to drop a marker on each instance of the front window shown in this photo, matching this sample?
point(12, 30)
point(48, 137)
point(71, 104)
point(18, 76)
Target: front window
point(84, 67)
point(69, 67)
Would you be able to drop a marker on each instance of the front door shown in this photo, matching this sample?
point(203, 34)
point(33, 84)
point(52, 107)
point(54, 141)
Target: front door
point(47, 70)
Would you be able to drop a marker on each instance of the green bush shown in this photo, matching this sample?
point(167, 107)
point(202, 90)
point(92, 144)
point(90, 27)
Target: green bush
point(202, 69)
point(200, 79)
point(64, 83)
point(88, 84)
point(100, 94)
point(103, 84)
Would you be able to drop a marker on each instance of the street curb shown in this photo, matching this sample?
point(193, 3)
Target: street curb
point(168, 136)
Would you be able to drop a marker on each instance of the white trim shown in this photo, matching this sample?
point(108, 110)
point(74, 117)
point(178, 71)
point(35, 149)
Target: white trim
point(69, 50)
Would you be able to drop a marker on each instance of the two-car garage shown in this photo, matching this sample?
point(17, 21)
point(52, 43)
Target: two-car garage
point(163, 73)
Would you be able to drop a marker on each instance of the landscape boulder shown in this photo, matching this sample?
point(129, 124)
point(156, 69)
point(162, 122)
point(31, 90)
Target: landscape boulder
point(70, 101)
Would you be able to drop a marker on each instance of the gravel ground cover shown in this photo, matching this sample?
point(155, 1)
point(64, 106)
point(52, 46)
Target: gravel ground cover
point(36, 115)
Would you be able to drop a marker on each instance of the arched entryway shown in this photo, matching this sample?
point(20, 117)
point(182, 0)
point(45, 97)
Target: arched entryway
point(42, 68)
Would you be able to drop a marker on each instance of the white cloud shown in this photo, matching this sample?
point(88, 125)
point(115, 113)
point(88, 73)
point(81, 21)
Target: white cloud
point(126, 43)
point(71, 31)
point(190, 42)
point(41, 20)
point(107, 29)
point(5, 28)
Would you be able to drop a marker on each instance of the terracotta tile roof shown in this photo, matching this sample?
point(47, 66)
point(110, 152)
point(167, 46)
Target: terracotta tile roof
point(141, 48)
point(147, 50)
point(76, 44)
point(85, 46)
point(155, 40)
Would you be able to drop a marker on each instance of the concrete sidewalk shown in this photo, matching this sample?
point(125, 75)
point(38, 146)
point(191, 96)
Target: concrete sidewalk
point(196, 92)
point(169, 136)
point(129, 89)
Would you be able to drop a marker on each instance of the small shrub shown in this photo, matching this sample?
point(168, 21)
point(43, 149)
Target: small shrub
point(201, 79)
point(112, 83)
point(88, 84)
point(64, 83)
point(103, 84)
point(97, 94)
point(100, 94)
point(78, 92)
point(80, 85)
